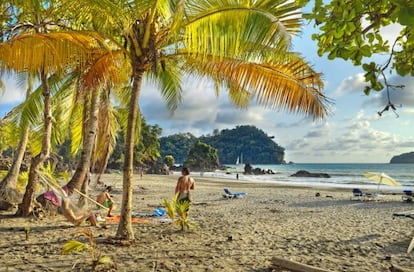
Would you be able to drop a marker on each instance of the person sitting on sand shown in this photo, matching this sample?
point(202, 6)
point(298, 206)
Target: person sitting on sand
point(185, 183)
point(105, 200)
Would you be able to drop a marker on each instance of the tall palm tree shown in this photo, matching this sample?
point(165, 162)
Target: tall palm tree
point(36, 18)
point(243, 45)
point(25, 17)
point(101, 75)
point(8, 186)
point(55, 54)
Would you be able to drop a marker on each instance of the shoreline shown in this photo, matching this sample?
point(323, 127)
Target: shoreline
point(330, 231)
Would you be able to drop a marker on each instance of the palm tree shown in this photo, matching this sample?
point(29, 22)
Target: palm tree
point(39, 23)
point(8, 186)
point(25, 17)
point(55, 54)
point(242, 45)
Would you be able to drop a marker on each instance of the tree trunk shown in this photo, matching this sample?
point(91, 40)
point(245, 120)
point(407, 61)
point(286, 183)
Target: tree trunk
point(102, 154)
point(91, 120)
point(25, 207)
point(8, 186)
point(125, 230)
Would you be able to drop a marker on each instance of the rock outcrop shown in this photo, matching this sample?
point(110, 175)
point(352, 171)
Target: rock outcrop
point(303, 173)
point(403, 158)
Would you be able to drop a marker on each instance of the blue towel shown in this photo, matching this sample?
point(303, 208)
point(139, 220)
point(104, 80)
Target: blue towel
point(159, 212)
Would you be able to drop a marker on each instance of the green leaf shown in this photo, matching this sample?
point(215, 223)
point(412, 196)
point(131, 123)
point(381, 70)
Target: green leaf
point(74, 246)
point(332, 55)
point(366, 51)
point(406, 16)
point(339, 33)
point(377, 86)
point(367, 90)
point(370, 37)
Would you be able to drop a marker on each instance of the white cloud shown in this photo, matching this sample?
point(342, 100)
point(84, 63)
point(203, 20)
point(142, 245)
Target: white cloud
point(13, 93)
point(352, 84)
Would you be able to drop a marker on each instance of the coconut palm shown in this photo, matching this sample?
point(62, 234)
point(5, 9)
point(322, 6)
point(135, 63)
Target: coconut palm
point(42, 22)
point(8, 186)
point(22, 17)
point(55, 54)
point(242, 45)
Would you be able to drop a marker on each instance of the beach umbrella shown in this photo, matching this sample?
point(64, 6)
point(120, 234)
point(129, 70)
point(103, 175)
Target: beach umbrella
point(381, 178)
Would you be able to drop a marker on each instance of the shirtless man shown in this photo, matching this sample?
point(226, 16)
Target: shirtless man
point(185, 183)
point(105, 200)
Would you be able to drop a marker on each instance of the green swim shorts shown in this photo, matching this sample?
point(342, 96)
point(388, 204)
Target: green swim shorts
point(106, 204)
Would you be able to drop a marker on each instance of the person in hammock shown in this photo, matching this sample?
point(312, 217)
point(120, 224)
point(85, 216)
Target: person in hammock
point(60, 199)
point(70, 215)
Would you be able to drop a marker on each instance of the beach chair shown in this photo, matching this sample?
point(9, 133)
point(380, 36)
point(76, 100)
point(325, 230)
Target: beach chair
point(408, 196)
point(357, 194)
point(230, 195)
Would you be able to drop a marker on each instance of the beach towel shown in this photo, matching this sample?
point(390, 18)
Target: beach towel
point(157, 213)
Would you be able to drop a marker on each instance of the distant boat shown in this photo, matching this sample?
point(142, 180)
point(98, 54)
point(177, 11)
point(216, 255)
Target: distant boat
point(239, 159)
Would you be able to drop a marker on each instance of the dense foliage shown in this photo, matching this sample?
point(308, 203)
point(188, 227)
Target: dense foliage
point(146, 151)
point(177, 145)
point(248, 142)
point(353, 30)
point(202, 157)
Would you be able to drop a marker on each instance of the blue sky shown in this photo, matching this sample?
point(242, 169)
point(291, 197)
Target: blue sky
point(353, 133)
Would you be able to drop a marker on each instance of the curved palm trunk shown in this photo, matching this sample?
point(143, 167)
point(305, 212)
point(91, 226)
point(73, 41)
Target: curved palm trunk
point(9, 183)
point(125, 230)
point(91, 123)
point(25, 207)
point(8, 186)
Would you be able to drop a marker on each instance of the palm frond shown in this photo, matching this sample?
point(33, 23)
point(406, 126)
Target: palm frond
point(168, 81)
point(232, 28)
point(110, 67)
point(289, 83)
point(52, 52)
point(76, 125)
point(63, 92)
point(108, 128)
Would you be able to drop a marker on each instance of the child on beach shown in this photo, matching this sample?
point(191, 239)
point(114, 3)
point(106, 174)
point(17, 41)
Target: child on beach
point(105, 200)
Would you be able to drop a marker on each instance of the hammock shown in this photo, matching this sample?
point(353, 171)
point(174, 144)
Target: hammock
point(60, 196)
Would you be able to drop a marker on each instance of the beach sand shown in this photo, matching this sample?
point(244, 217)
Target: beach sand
point(330, 231)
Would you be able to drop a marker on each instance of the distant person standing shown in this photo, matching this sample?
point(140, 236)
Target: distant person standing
point(185, 184)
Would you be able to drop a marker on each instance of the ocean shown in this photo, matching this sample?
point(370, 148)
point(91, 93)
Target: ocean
point(343, 175)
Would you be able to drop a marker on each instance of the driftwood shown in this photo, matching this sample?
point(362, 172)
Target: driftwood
point(396, 268)
point(295, 266)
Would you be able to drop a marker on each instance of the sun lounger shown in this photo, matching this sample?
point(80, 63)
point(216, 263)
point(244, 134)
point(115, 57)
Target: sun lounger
point(408, 196)
point(409, 214)
point(228, 194)
point(357, 194)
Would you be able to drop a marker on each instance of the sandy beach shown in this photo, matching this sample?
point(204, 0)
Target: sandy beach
point(330, 232)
